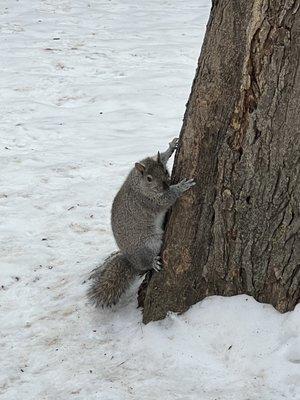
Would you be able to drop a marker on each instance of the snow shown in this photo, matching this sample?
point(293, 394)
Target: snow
point(87, 88)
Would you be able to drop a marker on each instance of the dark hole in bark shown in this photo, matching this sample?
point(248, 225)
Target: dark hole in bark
point(257, 132)
point(240, 151)
point(248, 198)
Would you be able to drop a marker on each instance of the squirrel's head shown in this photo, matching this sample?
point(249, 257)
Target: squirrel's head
point(153, 174)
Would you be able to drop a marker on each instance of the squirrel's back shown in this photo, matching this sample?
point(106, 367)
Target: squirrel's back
point(135, 217)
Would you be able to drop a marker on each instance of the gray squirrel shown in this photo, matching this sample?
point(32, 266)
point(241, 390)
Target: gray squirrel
point(137, 218)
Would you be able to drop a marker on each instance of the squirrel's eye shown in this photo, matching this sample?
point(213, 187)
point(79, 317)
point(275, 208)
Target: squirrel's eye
point(149, 178)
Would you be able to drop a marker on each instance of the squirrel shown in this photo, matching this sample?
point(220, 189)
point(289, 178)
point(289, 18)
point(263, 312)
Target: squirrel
point(137, 218)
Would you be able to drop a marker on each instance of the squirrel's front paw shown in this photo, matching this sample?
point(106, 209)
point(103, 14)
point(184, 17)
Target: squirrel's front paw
point(185, 184)
point(174, 144)
point(157, 264)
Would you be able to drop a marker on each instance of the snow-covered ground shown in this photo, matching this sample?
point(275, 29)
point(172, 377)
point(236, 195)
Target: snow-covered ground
point(87, 88)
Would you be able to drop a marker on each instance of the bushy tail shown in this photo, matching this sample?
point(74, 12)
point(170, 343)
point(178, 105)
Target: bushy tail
point(110, 280)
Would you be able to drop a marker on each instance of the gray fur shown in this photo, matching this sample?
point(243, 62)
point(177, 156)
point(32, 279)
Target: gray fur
point(137, 218)
point(110, 280)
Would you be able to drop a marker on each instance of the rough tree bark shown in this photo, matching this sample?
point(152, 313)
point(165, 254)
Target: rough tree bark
point(237, 231)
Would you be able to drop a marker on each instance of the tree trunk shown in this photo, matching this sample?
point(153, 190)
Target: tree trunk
point(237, 230)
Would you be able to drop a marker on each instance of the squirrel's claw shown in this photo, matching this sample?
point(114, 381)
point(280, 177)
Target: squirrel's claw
point(186, 184)
point(174, 144)
point(157, 264)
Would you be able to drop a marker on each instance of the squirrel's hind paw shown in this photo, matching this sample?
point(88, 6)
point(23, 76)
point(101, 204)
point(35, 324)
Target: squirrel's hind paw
point(157, 264)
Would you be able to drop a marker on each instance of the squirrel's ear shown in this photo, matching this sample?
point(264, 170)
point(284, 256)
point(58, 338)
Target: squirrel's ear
point(159, 157)
point(140, 167)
